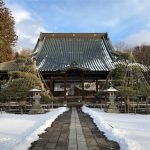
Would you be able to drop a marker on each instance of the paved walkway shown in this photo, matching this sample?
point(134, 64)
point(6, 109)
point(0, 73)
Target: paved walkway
point(95, 139)
point(73, 130)
point(56, 136)
point(76, 137)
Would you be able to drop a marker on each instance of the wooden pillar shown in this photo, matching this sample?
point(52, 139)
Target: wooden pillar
point(96, 85)
point(65, 80)
point(52, 85)
point(82, 80)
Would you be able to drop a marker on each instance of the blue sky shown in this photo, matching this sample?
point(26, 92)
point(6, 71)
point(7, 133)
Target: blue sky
point(124, 20)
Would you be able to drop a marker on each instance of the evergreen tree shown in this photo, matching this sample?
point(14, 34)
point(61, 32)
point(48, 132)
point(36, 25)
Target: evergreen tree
point(22, 81)
point(7, 33)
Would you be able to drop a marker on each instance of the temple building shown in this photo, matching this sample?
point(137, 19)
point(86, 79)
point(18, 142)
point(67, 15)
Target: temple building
point(74, 65)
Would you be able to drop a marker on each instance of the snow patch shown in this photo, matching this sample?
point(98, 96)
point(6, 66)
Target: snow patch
point(109, 124)
point(19, 131)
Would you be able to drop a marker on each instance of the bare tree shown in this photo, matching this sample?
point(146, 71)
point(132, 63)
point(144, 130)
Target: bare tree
point(122, 46)
point(142, 54)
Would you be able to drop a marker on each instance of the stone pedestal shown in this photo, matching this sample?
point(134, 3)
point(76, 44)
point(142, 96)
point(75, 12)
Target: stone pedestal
point(112, 109)
point(36, 109)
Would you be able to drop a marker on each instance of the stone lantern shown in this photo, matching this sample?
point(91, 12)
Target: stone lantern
point(112, 107)
point(36, 96)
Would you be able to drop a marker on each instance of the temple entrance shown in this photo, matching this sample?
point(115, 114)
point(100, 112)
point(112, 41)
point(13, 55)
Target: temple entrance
point(75, 84)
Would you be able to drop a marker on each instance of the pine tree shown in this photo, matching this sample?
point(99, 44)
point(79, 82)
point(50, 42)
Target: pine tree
point(22, 81)
point(8, 36)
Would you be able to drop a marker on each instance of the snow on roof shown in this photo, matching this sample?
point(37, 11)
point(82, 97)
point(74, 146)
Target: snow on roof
point(143, 67)
point(134, 64)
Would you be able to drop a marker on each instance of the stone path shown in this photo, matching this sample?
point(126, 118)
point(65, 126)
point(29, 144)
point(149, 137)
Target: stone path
point(76, 137)
point(73, 130)
point(56, 136)
point(95, 139)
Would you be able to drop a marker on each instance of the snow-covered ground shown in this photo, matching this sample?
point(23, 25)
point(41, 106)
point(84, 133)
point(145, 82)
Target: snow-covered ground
point(17, 132)
point(132, 132)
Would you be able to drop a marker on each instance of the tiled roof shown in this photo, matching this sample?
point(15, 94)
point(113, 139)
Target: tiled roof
point(57, 51)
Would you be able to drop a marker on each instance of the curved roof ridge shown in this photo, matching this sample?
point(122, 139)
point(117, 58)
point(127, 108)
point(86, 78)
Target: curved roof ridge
point(74, 35)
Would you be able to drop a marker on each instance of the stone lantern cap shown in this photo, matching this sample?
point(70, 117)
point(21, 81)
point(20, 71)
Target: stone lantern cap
point(35, 90)
point(111, 89)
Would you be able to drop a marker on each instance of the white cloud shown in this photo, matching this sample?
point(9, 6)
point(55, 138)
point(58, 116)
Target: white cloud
point(19, 13)
point(141, 37)
point(122, 19)
point(113, 16)
point(27, 29)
